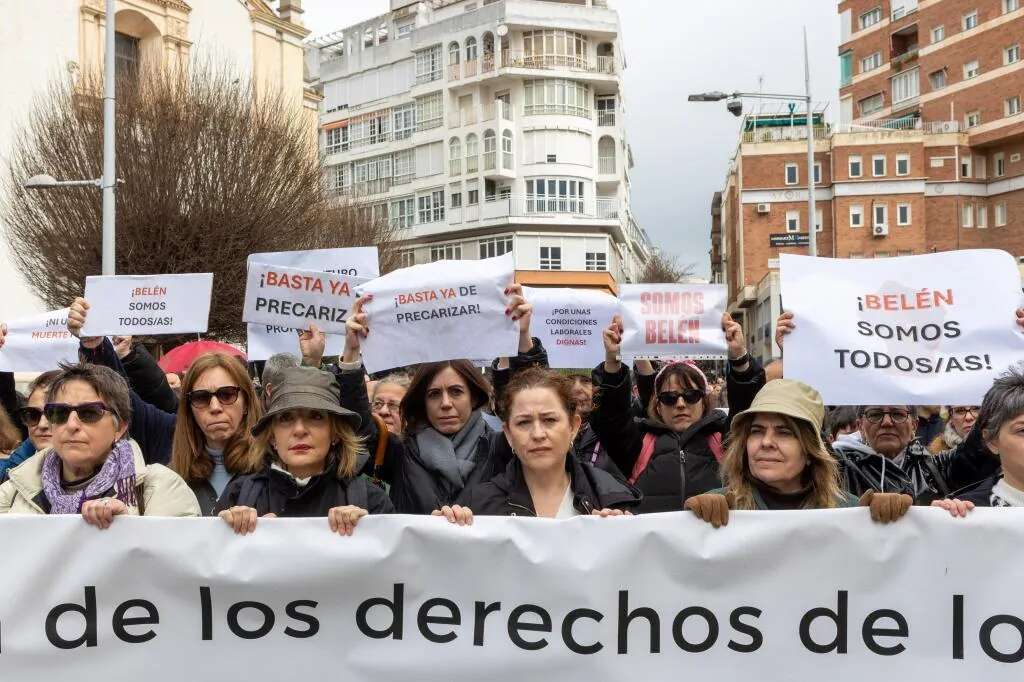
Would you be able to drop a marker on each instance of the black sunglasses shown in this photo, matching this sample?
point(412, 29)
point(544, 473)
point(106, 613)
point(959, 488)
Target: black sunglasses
point(226, 395)
point(88, 413)
point(690, 396)
point(30, 416)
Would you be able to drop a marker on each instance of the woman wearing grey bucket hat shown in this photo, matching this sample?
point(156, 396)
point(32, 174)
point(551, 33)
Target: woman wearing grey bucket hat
point(313, 457)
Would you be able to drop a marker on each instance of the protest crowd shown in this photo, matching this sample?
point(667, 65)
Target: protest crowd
point(316, 436)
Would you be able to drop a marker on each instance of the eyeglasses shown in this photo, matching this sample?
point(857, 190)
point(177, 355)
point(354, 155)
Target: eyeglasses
point(226, 395)
point(964, 411)
point(897, 416)
point(88, 413)
point(392, 405)
point(30, 416)
point(690, 396)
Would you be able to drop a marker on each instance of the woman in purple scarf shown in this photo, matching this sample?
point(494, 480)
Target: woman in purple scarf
point(91, 468)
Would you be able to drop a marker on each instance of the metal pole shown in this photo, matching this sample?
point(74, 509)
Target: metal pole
point(109, 166)
point(812, 229)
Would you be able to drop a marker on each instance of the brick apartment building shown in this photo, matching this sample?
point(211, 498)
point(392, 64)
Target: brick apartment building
point(928, 154)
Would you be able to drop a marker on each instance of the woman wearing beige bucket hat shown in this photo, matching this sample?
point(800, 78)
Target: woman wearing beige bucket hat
point(776, 459)
point(312, 459)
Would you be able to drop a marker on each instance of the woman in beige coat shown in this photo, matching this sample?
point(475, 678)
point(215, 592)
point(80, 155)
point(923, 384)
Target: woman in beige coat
point(91, 468)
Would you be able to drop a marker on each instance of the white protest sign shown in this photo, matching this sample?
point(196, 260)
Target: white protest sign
point(38, 343)
point(673, 320)
point(774, 597)
point(148, 304)
point(446, 310)
point(359, 261)
point(916, 330)
point(570, 324)
point(289, 297)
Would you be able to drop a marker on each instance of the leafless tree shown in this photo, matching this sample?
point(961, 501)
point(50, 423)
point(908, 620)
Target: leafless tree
point(212, 172)
point(664, 268)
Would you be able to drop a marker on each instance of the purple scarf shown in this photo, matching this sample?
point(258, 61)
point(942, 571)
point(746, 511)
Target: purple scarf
point(117, 473)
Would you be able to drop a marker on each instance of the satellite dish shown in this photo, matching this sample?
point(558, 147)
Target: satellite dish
point(502, 30)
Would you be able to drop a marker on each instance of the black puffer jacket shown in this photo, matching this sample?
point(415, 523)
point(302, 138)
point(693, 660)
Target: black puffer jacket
point(682, 464)
point(588, 449)
point(508, 495)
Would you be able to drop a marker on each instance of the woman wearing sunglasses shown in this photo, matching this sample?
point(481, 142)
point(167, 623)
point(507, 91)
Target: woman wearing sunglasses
point(34, 421)
point(312, 458)
point(961, 421)
point(91, 468)
point(673, 451)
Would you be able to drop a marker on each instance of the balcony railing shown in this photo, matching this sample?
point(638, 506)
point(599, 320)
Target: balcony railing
point(469, 69)
point(472, 164)
point(606, 118)
point(498, 108)
point(487, 62)
point(556, 110)
point(490, 158)
point(605, 64)
point(457, 119)
point(529, 206)
point(428, 123)
point(508, 161)
point(606, 165)
point(521, 60)
point(455, 167)
point(783, 134)
point(454, 72)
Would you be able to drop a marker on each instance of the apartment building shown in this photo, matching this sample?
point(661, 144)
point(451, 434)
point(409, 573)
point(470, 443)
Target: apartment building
point(479, 128)
point(928, 153)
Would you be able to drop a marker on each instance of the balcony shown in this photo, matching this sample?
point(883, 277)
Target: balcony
point(606, 165)
point(606, 118)
point(784, 134)
point(604, 65)
point(556, 110)
point(499, 165)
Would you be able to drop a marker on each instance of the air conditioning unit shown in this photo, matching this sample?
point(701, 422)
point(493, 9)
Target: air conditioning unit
point(950, 127)
point(880, 230)
point(764, 208)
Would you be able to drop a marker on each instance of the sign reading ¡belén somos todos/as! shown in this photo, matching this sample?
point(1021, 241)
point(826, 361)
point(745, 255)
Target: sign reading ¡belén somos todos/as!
point(148, 304)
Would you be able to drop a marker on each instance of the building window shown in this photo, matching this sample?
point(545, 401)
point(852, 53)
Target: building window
point(370, 129)
point(597, 261)
point(972, 69)
point(445, 252)
point(401, 212)
point(456, 200)
point(1011, 106)
point(938, 34)
point(471, 49)
point(472, 153)
point(551, 258)
point(554, 195)
point(555, 47)
point(846, 68)
point(972, 119)
point(966, 165)
point(337, 140)
point(905, 86)
point(126, 55)
point(937, 79)
point(429, 111)
point(881, 213)
point(1011, 55)
point(878, 165)
point(495, 246)
point(903, 164)
point(817, 174)
point(871, 62)
point(982, 216)
point(1010, 6)
point(431, 207)
point(870, 18)
point(856, 166)
point(341, 178)
point(556, 96)
point(792, 174)
point(405, 166)
point(970, 20)
point(407, 258)
point(999, 164)
point(405, 29)
point(507, 155)
point(454, 156)
point(856, 215)
point(967, 216)
point(792, 221)
point(428, 65)
point(606, 109)
point(1001, 214)
point(819, 220)
point(903, 214)
point(490, 150)
point(870, 105)
point(404, 120)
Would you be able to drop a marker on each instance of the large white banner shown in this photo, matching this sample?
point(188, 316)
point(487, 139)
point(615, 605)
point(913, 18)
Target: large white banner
point(773, 596)
point(447, 310)
point(673, 320)
point(265, 340)
point(38, 343)
point(916, 330)
point(148, 304)
point(570, 324)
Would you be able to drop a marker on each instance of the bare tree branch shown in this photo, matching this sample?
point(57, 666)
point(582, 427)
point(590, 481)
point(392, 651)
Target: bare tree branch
point(664, 268)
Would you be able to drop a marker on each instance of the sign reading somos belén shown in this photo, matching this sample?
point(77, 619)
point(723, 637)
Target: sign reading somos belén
point(148, 304)
point(933, 329)
point(290, 297)
point(673, 320)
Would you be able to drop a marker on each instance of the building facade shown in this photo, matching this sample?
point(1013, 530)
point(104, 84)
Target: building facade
point(67, 39)
point(482, 128)
point(928, 153)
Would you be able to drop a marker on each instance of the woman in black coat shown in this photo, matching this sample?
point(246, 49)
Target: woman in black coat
point(545, 479)
point(673, 452)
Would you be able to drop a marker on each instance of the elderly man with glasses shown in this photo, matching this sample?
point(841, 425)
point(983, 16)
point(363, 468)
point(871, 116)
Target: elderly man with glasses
point(884, 456)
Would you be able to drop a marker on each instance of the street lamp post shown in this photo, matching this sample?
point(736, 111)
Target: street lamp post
point(734, 103)
point(108, 182)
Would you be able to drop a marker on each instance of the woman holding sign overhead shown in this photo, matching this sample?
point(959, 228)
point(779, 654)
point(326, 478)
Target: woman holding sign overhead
point(672, 452)
point(446, 444)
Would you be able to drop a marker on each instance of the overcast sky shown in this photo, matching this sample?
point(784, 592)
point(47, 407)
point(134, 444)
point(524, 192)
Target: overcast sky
point(673, 48)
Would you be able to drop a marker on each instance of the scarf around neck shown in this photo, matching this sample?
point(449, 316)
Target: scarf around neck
point(452, 457)
point(117, 474)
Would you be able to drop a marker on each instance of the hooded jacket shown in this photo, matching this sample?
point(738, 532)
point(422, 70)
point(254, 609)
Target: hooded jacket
point(163, 492)
point(682, 464)
point(508, 495)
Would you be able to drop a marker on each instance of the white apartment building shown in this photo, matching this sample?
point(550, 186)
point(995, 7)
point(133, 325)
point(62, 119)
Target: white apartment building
point(484, 127)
